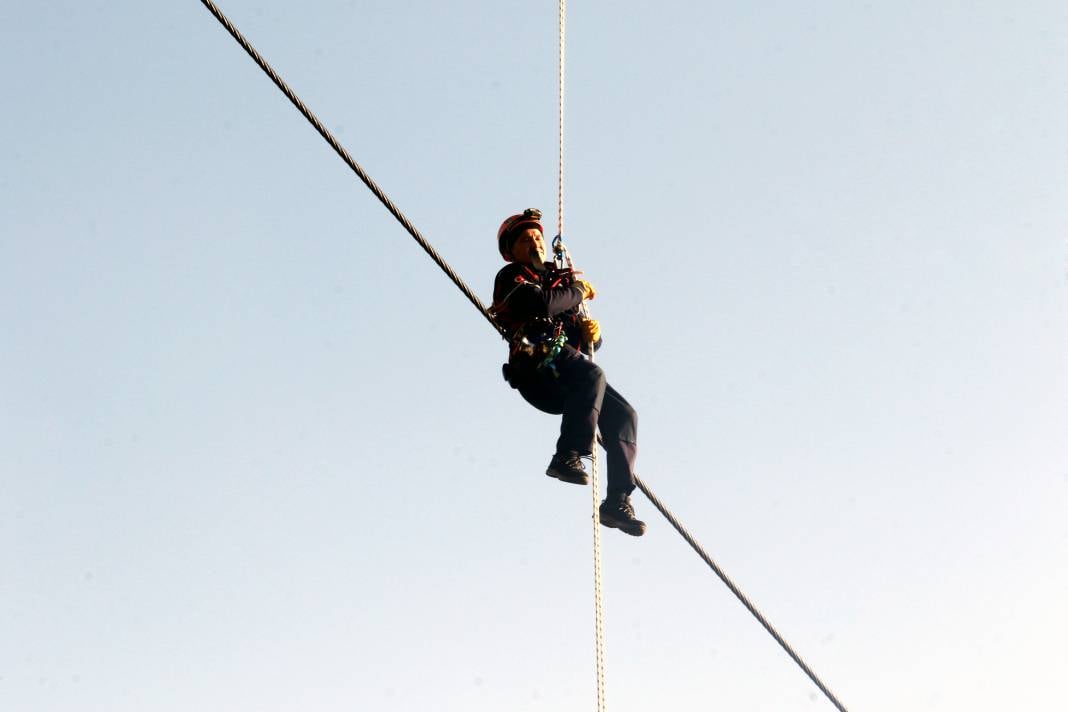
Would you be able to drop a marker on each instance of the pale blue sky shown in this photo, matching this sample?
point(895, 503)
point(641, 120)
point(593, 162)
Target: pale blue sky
point(255, 452)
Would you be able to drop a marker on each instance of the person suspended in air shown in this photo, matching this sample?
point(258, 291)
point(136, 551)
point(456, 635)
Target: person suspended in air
point(537, 303)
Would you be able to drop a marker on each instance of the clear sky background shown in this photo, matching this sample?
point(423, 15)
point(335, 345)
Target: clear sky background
point(255, 451)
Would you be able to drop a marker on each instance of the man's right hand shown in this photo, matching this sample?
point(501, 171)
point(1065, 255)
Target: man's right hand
point(588, 292)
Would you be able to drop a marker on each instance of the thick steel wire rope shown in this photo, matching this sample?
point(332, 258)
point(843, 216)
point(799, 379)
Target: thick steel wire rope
point(737, 592)
point(340, 150)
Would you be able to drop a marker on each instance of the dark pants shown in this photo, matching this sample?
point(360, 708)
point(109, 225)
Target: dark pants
point(578, 391)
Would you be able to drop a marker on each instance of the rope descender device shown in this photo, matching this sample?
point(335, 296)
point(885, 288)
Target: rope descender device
point(560, 254)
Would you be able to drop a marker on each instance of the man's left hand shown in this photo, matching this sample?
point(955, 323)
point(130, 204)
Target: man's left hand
point(591, 330)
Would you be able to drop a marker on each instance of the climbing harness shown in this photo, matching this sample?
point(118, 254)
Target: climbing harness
point(429, 249)
point(537, 344)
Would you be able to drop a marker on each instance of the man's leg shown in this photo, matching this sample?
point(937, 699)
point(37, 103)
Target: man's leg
point(583, 386)
point(575, 390)
point(619, 435)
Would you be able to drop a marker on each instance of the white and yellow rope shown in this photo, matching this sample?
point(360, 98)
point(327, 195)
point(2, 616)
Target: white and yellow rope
point(602, 704)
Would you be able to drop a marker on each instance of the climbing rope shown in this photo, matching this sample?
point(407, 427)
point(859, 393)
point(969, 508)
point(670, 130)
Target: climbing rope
point(428, 248)
point(560, 182)
point(598, 595)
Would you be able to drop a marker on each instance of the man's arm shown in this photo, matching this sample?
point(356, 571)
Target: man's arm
point(524, 299)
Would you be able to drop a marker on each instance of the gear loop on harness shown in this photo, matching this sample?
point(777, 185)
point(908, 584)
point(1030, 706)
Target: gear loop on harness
point(538, 343)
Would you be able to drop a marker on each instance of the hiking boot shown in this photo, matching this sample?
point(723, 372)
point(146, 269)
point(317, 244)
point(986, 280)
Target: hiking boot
point(617, 513)
point(568, 467)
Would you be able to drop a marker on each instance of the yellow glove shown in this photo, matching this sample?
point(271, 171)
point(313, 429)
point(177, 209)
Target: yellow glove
point(588, 291)
point(591, 330)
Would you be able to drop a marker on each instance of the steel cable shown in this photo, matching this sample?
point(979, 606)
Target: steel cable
point(737, 591)
point(340, 150)
point(429, 249)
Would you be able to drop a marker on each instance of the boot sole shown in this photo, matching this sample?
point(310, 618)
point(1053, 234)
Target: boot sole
point(634, 528)
point(565, 477)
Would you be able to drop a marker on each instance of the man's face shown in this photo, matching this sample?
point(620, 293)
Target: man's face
point(529, 248)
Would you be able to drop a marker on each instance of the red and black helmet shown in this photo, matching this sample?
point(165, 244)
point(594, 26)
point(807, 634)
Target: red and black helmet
point(531, 217)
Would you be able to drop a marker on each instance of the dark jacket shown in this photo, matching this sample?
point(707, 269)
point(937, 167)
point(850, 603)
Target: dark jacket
point(522, 295)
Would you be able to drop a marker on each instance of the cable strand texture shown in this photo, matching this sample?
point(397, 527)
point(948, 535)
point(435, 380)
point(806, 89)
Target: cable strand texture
point(737, 591)
point(356, 168)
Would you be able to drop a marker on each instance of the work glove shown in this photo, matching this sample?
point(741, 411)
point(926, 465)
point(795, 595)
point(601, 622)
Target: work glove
point(591, 330)
point(588, 292)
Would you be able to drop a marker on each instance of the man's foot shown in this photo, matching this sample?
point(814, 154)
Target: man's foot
point(617, 513)
point(568, 467)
